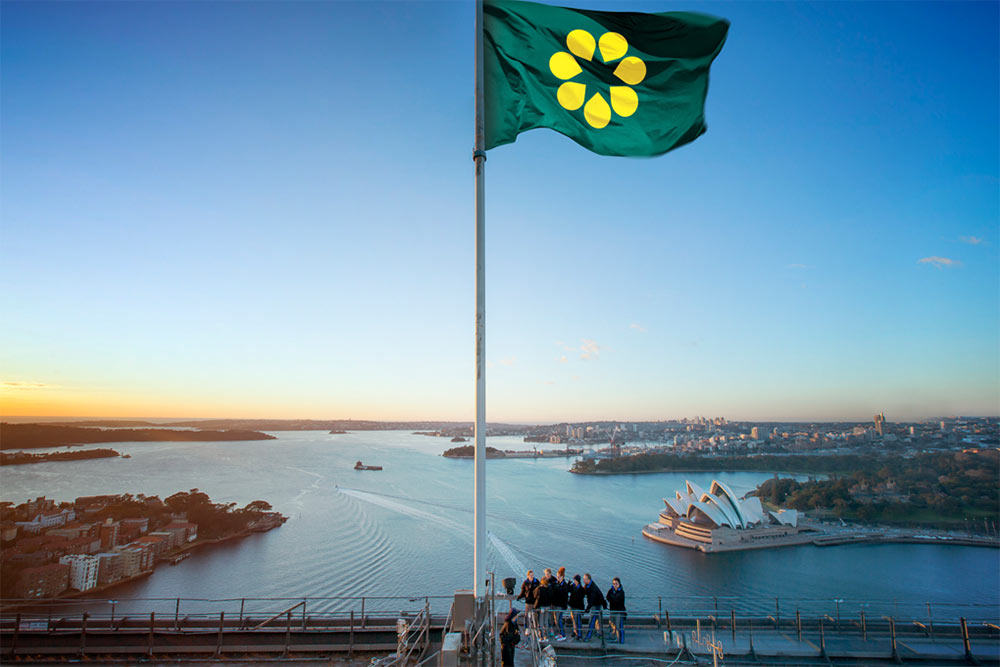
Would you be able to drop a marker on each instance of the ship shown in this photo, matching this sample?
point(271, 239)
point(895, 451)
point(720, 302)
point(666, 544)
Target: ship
point(361, 466)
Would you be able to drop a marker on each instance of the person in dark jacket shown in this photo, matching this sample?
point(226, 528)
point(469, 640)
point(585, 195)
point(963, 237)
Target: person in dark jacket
point(560, 595)
point(510, 636)
point(528, 588)
point(577, 600)
point(595, 603)
point(616, 605)
point(543, 600)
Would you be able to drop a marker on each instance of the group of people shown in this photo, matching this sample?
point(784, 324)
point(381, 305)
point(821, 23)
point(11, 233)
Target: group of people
point(548, 599)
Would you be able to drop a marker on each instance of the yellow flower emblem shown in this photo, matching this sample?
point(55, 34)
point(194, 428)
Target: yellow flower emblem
point(571, 94)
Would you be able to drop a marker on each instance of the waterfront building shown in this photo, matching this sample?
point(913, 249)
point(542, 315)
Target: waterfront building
point(719, 520)
point(110, 565)
point(83, 569)
point(135, 560)
point(169, 538)
point(109, 533)
point(184, 531)
point(157, 544)
point(46, 581)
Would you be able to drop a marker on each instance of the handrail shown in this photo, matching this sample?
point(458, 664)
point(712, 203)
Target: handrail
point(278, 615)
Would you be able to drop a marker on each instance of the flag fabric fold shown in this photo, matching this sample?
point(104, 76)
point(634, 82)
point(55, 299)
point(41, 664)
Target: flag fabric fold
point(617, 83)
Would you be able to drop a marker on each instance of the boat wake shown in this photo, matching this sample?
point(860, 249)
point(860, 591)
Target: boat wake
point(507, 554)
point(297, 500)
point(391, 503)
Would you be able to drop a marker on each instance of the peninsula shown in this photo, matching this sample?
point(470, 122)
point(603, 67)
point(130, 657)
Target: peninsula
point(52, 549)
point(21, 458)
point(469, 452)
point(30, 436)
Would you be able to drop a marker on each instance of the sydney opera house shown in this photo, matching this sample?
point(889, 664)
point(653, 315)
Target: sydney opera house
point(719, 520)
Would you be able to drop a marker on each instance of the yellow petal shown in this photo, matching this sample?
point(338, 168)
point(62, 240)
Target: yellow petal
point(623, 100)
point(597, 112)
point(563, 65)
point(612, 45)
point(571, 95)
point(581, 44)
point(631, 70)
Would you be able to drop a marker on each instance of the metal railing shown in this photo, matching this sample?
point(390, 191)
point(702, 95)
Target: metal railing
point(240, 608)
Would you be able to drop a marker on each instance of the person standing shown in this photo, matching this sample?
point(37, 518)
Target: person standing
point(595, 603)
point(528, 594)
point(510, 636)
point(543, 601)
point(577, 601)
point(560, 595)
point(616, 605)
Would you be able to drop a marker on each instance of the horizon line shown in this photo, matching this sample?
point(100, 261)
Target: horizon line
point(78, 418)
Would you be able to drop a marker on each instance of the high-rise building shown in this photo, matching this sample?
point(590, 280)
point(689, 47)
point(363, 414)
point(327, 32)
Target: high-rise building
point(879, 420)
point(755, 432)
point(83, 570)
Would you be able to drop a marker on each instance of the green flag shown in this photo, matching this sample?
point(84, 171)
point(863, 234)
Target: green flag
point(617, 83)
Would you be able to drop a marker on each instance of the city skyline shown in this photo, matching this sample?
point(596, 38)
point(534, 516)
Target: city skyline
point(222, 210)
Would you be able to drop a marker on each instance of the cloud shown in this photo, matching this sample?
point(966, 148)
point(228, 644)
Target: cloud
point(14, 385)
point(589, 349)
point(797, 266)
point(637, 327)
point(971, 240)
point(508, 361)
point(939, 262)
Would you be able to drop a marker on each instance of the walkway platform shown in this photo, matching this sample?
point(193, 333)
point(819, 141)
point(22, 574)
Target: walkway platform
point(782, 646)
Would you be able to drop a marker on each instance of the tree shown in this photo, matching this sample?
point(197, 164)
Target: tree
point(258, 506)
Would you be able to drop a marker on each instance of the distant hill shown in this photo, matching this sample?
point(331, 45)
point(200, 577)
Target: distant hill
point(28, 436)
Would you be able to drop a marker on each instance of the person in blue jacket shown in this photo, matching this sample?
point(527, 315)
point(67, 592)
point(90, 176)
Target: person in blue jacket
point(595, 603)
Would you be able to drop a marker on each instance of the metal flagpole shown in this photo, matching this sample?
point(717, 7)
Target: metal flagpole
point(479, 156)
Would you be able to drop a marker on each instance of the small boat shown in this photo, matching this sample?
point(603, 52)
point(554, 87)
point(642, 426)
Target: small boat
point(361, 466)
point(179, 557)
point(126, 456)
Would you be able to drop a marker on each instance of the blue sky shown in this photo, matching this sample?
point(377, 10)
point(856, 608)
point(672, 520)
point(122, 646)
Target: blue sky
point(265, 209)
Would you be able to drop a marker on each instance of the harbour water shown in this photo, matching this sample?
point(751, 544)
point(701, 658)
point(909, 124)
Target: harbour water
point(407, 530)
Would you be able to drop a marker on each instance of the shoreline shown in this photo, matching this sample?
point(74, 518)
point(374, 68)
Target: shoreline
point(690, 470)
point(516, 456)
point(811, 537)
point(162, 560)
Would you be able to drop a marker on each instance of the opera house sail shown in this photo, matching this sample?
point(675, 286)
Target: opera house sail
point(719, 520)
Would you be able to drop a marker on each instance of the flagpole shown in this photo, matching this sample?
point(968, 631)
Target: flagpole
point(479, 156)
